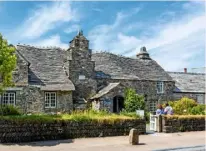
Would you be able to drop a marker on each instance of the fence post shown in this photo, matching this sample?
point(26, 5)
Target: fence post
point(159, 123)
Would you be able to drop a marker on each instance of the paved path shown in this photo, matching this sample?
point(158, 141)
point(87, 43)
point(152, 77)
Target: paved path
point(157, 141)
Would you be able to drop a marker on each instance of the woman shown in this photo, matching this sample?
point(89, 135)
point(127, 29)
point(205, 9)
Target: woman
point(160, 110)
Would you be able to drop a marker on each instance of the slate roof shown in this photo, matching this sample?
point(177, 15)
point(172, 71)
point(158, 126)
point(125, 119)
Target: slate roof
point(119, 67)
point(188, 82)
point(46, 67)
point(105, 90)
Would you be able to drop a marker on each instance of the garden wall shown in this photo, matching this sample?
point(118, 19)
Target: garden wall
point(25, 131)
point(181, 123)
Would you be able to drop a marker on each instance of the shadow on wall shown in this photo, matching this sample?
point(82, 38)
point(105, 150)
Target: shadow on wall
point(41, 143)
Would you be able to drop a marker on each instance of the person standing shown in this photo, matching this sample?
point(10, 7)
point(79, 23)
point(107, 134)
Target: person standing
point(160, 110)
point(168, 109)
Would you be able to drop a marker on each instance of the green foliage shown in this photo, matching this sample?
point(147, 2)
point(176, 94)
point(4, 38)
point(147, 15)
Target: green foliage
point(7, 63)
point(147, 116)
point(186, 106)
point(133, 101)
point(78, 116)
point(9, 110)
point(198, 110)
point(183, 106)
point(129, 114)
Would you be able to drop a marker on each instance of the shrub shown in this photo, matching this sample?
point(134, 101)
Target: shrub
point(183, 106)
point(133, 101)
point(198, 110)
point(9, 110)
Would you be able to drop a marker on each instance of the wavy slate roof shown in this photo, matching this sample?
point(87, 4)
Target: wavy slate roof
point(188, 82)
point(46, 67)
point(119, 67)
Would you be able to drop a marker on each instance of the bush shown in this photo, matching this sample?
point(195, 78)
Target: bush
point(9, 110)
point(198, 110)
point(133, 101)
point(183, 106)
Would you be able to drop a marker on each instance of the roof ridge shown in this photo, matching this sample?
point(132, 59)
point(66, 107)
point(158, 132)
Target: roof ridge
point(40, 47)
point(117, 55)
point(192, 73)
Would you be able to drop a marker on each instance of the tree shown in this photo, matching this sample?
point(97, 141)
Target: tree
point(133, 101)
point(7, 63)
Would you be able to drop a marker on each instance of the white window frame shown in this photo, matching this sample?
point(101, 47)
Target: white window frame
point(48, 99)
point(161, 84)
point(152, 106)
point(82, 77)
point(11, 98)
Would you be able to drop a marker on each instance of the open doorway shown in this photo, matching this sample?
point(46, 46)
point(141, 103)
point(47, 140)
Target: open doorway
point(118, 104)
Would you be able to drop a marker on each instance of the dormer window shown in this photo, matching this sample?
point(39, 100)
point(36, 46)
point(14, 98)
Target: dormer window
point(81, 77)
point(160, 87)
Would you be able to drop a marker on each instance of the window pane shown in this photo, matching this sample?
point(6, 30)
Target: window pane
point(50, 99)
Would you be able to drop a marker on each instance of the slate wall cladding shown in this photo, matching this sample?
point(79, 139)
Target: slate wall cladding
point(15, 132)
point(174, 124)
point(31, 100)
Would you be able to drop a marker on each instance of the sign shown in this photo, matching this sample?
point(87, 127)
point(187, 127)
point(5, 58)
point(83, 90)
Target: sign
point(140, 113)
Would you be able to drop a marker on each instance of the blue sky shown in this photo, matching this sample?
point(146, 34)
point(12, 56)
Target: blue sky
point(173, 32)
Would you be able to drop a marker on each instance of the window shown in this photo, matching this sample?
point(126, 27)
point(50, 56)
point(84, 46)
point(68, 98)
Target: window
point(8, 98)
point(160, 87)
point(50, 99)
point(153, 106)
point(81, 77)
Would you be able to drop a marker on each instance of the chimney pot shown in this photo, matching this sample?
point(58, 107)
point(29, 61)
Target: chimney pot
point(185, 70)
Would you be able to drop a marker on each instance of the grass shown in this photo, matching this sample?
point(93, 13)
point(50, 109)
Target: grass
point(78, 116)
point(185, 116)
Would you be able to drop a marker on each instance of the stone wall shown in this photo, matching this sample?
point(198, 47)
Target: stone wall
point(30, 99)
point(81, 65)
point(147, 88)
point(185, 123)
point(19, 131)
point(199, 97)
point(20, 74)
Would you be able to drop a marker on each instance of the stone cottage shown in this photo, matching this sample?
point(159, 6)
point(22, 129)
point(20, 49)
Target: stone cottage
point(191, 85)
point(58, 80)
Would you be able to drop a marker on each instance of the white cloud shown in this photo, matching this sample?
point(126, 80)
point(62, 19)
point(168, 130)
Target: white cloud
point(172, 45)
point(53, 41)
point(45, 18)
point(71, 29)
point(108, 37)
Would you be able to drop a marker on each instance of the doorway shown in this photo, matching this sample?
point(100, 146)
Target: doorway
point(118, 104)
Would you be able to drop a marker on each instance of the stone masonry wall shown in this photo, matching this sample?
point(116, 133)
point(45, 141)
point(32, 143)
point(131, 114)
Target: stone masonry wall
point(31, 100)
point(183, 123)
point(81, 64)
point(193, 96)
point(147, 88)
point(19, 131)
point(20, 74)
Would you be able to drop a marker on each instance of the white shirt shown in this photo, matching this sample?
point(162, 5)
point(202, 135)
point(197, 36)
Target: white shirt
point(168, 110)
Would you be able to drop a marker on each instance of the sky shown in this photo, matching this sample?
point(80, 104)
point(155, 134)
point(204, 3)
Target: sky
point(173, 32)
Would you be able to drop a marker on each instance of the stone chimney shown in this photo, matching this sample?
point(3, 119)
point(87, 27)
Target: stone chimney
point(143, 54)
point(185, 70)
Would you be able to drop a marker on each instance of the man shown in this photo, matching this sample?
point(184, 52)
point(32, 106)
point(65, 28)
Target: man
point(168, 109)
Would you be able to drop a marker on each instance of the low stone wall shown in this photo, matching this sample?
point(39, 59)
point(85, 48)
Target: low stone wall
point(171, 124)
point(27, 131)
